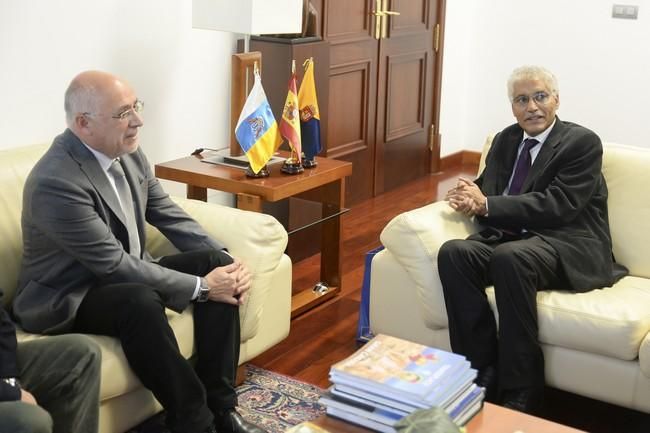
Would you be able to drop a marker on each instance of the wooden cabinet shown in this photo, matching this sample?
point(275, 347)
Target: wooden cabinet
point(277, 54)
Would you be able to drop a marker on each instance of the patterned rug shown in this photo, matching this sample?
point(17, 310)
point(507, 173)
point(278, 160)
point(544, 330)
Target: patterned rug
point(272, 401)
point(276, 402)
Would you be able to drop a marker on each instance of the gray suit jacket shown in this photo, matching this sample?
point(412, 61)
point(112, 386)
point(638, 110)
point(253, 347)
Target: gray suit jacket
point(563, 200)
point(74, 229)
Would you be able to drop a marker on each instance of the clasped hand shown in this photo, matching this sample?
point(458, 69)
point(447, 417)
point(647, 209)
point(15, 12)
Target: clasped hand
point(466, 197)
point(229, 284)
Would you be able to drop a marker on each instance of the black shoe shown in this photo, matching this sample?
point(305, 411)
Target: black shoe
point(230, 421)
point(528, 400)
point(487, 378)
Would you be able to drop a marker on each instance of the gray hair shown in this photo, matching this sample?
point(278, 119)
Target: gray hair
point(533, 73)
point(79, 98)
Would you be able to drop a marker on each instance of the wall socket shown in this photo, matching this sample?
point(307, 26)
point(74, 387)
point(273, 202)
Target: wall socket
point(628, 12)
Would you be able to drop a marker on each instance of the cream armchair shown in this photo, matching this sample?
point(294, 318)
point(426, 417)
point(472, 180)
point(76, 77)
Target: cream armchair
point(258, 239)
point(596, 344)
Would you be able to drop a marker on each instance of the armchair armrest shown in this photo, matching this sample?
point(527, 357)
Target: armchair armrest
point(259, 240)
point(414, 238)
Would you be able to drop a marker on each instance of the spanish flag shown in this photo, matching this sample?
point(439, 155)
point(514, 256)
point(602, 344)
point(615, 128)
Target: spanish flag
point(309, 114)
point(290, 122)
point(256, 130)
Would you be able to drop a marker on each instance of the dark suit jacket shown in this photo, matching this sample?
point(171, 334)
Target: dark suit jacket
point(8, 367)
point(73, 232)
point(563, 200)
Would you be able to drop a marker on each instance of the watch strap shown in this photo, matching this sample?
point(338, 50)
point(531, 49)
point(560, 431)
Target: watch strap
point(204, 291)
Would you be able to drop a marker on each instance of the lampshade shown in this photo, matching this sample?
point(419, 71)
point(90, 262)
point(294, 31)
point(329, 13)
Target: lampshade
point(252, 17)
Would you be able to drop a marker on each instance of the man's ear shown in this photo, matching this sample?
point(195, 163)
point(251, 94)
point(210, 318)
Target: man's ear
point(81, 123)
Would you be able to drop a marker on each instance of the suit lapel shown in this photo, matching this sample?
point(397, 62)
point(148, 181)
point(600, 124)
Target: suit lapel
point(549, 148)
point(94, 173)
point(509, 157)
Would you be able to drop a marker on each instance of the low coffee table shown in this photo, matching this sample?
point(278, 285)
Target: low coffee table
point(491, 419)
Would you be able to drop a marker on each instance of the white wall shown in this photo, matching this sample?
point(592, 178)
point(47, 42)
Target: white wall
point(602, 64)
point(182, 74)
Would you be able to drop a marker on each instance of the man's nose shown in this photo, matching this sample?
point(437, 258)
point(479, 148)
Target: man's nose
point(135, 120)
point(532, 105)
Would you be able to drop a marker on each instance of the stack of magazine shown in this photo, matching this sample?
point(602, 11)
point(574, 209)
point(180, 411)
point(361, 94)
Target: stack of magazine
point(389, 378)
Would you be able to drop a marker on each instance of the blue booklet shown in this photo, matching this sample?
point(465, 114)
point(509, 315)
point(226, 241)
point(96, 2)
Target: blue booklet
point(396, 367)
point(383, 414)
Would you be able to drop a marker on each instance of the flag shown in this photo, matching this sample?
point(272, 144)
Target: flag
point(309, 114)
point(290, 122)
point(256, 130)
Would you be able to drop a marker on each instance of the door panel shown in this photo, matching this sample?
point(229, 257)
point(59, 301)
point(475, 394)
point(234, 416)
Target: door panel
point(353, 91)
point(413, 17)
point(405, 111)
point(381, 91)
point(352, 19)
point(351, 97)
point(404, 97)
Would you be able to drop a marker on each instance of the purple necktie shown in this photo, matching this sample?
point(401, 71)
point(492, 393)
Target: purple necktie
point(522, 167)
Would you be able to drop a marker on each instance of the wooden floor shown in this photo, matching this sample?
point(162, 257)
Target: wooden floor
point(327, 333)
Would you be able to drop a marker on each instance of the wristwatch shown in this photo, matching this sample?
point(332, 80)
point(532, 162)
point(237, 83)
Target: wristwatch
point(11, 381)
point(204, 291)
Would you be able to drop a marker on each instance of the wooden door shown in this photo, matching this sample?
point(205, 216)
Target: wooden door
point(381, 90)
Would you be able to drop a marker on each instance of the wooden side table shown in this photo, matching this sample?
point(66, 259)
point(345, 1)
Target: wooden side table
point(324, 184)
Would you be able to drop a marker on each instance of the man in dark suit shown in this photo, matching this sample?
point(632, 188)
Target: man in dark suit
point(542, 204)
point(49, 384)
point(85, 268)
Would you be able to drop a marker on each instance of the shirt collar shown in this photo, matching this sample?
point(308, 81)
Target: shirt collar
point(543, 136)
point(104, 161)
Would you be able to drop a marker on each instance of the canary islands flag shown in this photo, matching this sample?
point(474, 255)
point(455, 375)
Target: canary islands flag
point(290, 122)
point(309, 114)
point(256, 130)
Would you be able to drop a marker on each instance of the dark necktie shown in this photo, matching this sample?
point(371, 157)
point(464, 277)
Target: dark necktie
point(126, 200)
point(522, 167)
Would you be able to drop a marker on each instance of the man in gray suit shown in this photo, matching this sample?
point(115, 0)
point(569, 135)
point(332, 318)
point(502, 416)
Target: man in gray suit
point(542, 204)
point(85, 268)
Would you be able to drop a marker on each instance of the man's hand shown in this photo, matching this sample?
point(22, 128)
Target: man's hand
point(229, 284)
point(466, 197)
point(27, 397)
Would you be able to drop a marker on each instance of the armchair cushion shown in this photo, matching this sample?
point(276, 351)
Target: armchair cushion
point(414, 242)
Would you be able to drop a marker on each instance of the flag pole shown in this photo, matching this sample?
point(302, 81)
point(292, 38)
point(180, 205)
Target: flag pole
point(290, 126)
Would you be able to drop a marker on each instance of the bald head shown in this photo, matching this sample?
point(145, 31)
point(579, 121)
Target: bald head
point(101, 110)
point(87, 92)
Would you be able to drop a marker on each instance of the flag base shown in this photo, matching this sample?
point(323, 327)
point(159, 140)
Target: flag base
point(264, 172)
point(292, 166)
point(309, 163)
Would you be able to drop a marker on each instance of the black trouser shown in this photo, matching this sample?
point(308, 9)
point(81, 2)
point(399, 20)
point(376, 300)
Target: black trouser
point(517, 269)
point(135, 314)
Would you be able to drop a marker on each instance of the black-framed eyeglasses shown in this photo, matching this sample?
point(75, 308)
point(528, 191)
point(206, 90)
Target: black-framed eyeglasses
point(137, 107)
point(540, 98)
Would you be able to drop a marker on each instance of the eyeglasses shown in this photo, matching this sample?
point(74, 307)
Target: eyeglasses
point(540, 98)
point(137, 107)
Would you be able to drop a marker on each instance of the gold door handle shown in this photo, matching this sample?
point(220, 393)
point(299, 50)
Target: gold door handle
point(386, 13)
point(379, 19)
